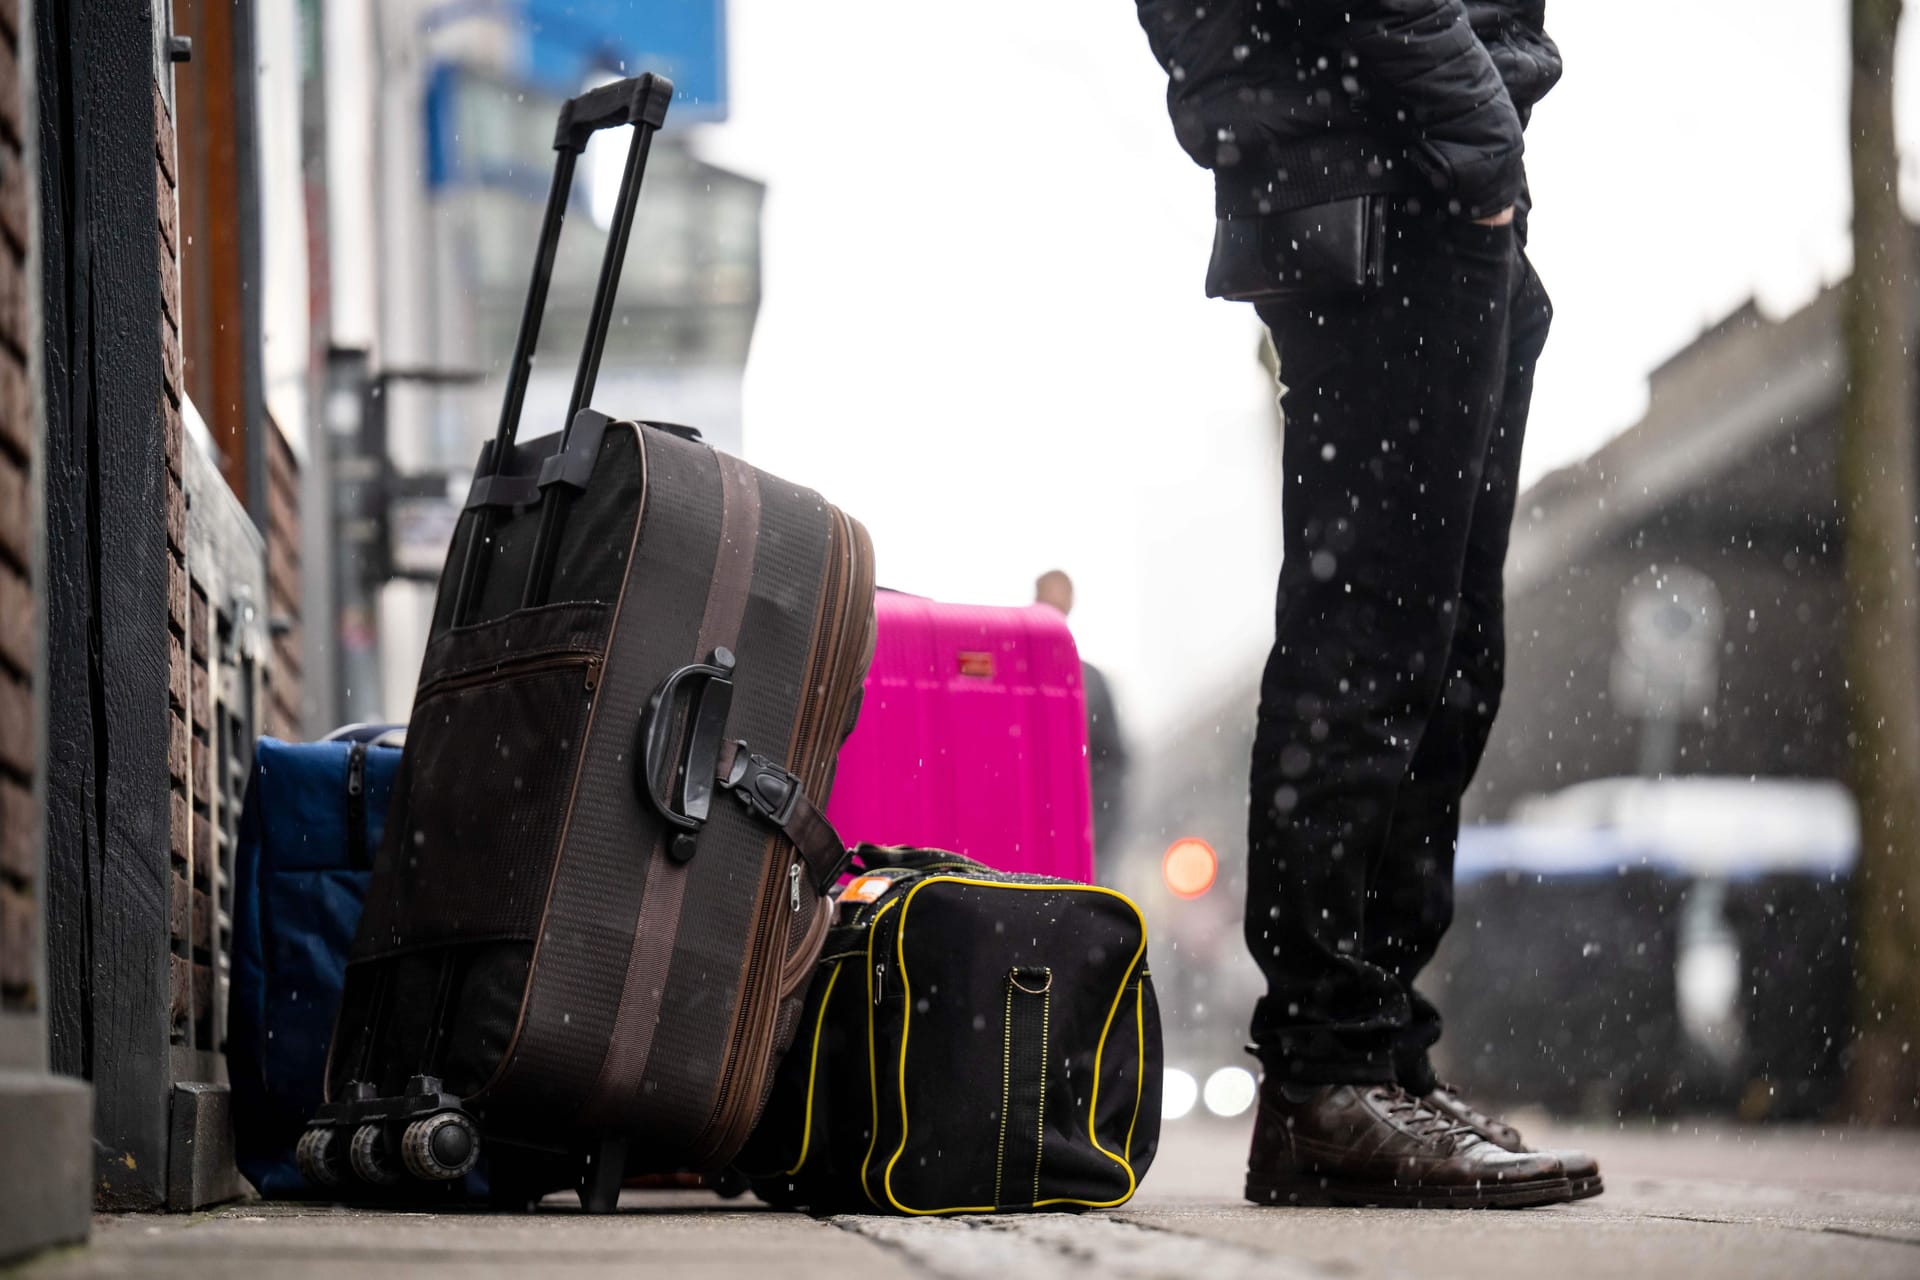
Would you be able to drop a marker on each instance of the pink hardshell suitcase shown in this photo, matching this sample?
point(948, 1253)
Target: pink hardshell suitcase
point(972, 737)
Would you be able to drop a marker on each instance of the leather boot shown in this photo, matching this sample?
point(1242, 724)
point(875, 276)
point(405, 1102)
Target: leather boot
point(1380, 1145)
point(1582, 1170)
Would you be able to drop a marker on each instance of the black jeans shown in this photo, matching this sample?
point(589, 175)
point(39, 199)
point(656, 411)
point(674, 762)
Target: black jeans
point(1405, 408)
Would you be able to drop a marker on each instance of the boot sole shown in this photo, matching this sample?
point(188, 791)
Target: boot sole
point(1582, 1188)
point(1310, 1190)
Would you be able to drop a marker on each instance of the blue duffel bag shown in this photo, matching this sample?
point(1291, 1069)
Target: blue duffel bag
point(312, 824)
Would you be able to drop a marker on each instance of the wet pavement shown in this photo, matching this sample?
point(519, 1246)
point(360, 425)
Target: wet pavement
point(1682, 1200)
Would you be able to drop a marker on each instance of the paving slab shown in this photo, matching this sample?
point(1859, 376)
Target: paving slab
point(1059, 1244)
point(654, 1236)
point(1683, 1200)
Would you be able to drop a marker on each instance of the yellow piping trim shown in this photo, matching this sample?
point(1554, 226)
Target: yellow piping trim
point(813, 1067)
point(873, 1070)
point(1093, 1105)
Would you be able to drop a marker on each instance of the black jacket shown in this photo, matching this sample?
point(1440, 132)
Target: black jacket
point(1296, 102)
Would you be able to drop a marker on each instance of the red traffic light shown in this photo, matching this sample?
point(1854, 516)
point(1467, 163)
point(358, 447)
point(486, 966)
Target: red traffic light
point(1189, 867)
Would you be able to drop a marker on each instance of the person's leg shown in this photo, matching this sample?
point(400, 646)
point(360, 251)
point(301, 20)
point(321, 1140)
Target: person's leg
point(1410, 890)
point(1389, 404)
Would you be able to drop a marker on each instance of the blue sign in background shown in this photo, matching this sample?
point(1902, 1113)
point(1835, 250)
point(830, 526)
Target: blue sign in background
point(684, 40)
point(564, 43)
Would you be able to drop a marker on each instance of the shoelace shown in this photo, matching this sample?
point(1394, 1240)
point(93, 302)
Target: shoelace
point(1421, 1119)
point(1474, 1116)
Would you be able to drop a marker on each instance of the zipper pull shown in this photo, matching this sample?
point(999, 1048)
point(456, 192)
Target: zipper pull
point(879, 981)
point(593, 674)
point(793, 886)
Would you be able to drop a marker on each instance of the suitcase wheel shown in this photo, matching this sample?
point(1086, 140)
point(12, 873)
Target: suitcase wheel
point(729, 1183)
point(441, 1147)
point(322, 1156)
point(372, 1156)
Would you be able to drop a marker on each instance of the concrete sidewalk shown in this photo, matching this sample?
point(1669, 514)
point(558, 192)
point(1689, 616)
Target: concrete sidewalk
point(1681, 1201)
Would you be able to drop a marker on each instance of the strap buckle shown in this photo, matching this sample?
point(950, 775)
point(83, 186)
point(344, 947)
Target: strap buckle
point(780, 799)
point(763, 786)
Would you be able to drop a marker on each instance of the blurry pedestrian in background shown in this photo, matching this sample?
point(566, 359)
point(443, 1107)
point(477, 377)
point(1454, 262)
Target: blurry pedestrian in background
point(1106, 744)
point(1371, 201)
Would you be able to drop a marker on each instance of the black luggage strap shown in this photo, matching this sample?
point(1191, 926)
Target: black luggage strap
point(502, 491)
point(571, 467)
point(1023, 1088)
point(778, 797)
point(497, 490)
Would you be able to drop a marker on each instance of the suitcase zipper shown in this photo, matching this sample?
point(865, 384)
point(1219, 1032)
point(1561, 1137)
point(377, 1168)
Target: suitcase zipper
point(824, 679)
point(793, 887)
point(809, 708)
point(729, 1100)
point(514, 670)
point(829, 681)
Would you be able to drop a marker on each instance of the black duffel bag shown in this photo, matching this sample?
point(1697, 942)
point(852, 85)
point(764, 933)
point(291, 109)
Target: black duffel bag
point(973, 1042)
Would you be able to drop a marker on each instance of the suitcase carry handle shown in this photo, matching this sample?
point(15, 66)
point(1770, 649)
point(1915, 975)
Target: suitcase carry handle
point(640, 101)
point(708, 761)
point(697, 765)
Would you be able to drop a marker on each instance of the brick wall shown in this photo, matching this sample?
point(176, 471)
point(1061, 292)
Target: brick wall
point(189, 706)
point(19, 823)
point(211, 694)
point(281, 716)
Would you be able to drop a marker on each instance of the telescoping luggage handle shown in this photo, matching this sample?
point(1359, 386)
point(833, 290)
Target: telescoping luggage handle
point(706, 760)
point(641, 102)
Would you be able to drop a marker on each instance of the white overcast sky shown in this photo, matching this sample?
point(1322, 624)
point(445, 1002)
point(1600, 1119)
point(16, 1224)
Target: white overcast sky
point(984, 333)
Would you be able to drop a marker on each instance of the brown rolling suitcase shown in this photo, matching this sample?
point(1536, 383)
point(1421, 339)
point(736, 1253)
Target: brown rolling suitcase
point(603, 884)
